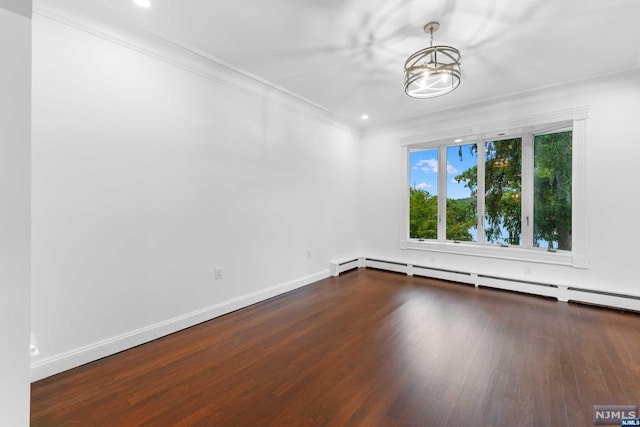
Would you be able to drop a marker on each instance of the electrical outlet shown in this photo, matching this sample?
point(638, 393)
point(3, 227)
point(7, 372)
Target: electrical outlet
point(218, 273)
point(308, 253)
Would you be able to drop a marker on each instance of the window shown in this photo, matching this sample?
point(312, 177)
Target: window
point(462, 162)
point(503, 191)
point(552, 169)
point(423, 198)
point(511, 195)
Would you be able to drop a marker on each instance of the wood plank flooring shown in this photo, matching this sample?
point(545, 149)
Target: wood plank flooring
point(368, 348)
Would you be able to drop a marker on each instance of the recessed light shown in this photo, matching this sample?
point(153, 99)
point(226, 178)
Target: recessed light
point(458, 140)
point(143, 3)
point(365, 117)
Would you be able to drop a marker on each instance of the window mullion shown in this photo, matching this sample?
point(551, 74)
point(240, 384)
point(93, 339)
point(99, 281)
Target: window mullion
point(481, 191)
point(527, 191)
point(442, 193)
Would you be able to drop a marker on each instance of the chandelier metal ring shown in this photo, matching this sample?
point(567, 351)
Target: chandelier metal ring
point(433, 71)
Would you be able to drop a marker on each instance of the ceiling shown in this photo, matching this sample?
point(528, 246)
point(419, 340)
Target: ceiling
point(348, 55)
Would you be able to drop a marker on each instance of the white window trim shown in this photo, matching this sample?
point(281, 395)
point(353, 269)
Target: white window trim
point(577, 257)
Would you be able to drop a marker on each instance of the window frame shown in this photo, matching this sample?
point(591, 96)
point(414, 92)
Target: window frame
point(526, 128)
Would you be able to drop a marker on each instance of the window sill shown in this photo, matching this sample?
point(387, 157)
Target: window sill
point(493, 251)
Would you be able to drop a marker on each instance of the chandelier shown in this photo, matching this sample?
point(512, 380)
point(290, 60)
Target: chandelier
point(433, 71)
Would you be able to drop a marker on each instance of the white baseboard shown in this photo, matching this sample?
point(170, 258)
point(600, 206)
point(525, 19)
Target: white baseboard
point(62, 362)
point(561, 292)
point(79, 356)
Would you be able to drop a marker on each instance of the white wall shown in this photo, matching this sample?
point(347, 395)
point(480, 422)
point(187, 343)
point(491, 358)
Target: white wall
point(149, 171)
point(612, 153)
point(15, 83)
point(151, 167)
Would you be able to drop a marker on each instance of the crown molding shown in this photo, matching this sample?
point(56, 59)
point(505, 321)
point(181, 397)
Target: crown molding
point(486, 130)
point(437, 135)
point(568, 115)
point(117, 30)
point(21, 7)
point(597, 84)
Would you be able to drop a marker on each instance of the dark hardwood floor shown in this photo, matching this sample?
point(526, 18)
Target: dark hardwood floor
point(368, 348)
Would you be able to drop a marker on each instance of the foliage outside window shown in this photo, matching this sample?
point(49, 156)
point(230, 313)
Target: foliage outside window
point(552, 191)
point(493, 201)
point(423, 199)
point(462, 198)
point(503, 191)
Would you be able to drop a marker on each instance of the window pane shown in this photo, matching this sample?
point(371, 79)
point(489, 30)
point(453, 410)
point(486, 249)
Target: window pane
point(462, 195)
point(423, 200)
point(552, 191)
point(503, 187)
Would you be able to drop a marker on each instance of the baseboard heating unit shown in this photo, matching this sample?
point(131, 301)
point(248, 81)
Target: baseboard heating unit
point(560, 292)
